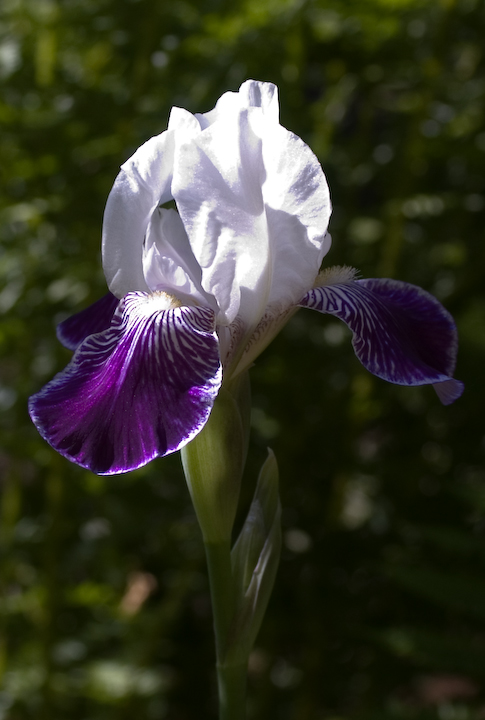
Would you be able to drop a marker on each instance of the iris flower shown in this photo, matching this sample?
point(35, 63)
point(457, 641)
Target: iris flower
point(198, 287)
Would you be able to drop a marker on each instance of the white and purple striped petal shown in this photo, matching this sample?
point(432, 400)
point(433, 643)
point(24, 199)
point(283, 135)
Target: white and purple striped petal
point(400, 332)
point(139, 390)
point(94, 319)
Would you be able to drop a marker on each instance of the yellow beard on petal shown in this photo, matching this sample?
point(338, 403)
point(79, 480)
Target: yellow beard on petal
point(336, 275)
point(163, 297)
point(159, 301)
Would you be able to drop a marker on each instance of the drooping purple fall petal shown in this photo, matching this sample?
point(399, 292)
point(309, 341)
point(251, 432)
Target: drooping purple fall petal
point(94, 319)
point(400, 332)
point(139, 390)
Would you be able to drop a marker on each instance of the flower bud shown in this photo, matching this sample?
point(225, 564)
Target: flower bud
point(255, 559)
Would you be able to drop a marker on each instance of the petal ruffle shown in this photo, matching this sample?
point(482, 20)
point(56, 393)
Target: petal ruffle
point(255, 204)
point(139, 390)
point(94, 319)
point(400, 332)
point(252, 93)
point(252, 197)
point(142, 184)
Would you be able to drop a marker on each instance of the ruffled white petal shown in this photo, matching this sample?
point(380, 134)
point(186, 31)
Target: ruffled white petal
point(217, 185)
point(169, 264)
point(143, 184)
point(255, 204)
point(251, 94)
point(261, 95)
point(184, 123)
point(297, 208)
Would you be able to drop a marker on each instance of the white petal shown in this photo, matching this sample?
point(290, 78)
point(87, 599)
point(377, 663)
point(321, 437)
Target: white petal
point(251, 94)
point(217, 185)
point(297, 203)
point(184, 123)
point(255, 204)
point(143, 184)
point(262, 95)
point(169, 263)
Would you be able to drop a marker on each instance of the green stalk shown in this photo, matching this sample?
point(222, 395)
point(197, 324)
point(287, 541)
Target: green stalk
point(231, 681)
point(231, 678)
point(240, 580)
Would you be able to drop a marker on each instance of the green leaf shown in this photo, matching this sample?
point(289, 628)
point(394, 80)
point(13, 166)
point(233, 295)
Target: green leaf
point(255, 558)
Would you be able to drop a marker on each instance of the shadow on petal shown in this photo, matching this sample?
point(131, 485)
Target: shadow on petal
point(139, 390)
point(400, 332)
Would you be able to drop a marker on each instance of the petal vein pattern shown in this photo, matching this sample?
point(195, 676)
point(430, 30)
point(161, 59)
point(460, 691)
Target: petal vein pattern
point(95, 318)
point(400, 332)
point(139, 390)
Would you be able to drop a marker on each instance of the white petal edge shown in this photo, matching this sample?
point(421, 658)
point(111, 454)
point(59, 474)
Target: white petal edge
point(143, 184)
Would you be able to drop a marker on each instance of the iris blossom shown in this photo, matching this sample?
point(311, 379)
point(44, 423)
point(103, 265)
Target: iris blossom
point(198, 289)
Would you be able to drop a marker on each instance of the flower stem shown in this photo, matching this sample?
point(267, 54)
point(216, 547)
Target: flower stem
point(231, 681)
point(231, 678)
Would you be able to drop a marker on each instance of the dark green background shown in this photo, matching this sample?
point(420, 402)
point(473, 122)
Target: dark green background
point(379, 606)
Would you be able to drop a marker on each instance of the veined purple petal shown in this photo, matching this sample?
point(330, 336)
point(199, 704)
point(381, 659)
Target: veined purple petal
point(449, 390)
point(95, 318)
point(400, 332)
point(139, 390)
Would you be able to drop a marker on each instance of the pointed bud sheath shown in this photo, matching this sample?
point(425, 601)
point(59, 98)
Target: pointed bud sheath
point(255, 558)
point(213, 463)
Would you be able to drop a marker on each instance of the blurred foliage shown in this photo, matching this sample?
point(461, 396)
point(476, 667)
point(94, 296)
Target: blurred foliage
point(379, 608)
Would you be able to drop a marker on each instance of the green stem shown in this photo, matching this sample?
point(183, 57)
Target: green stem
point(231, 681)
point(221, 585)
point(231, 678)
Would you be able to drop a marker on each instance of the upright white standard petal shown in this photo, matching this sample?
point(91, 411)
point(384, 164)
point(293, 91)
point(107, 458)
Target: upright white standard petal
point(251, 94)
point(255, 204)
point(253, 209)
point(217, 184)
point(297, 208)
point(142, 184)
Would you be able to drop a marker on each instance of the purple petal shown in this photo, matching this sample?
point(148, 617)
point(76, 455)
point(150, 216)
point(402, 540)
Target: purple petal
point(139, 390)
point(400, 332)
point(449, 390)
point(95, 318)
